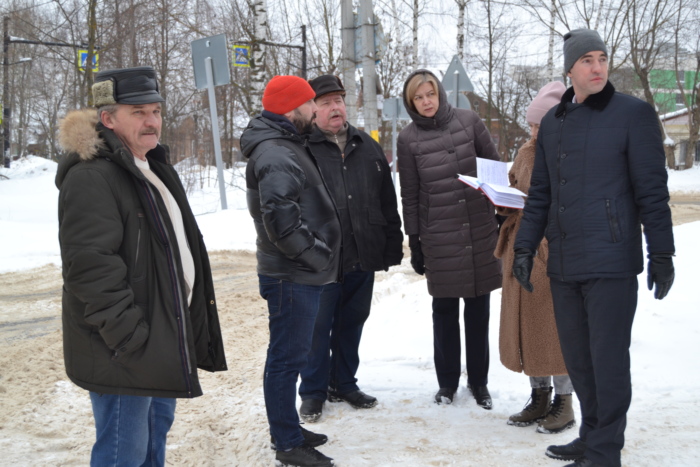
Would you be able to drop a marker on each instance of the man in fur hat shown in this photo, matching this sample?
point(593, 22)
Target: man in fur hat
point(599, 175)
point(139, 312)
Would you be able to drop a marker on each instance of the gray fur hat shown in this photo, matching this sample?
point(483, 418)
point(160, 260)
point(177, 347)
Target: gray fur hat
point(132, 86)
point(579, 42)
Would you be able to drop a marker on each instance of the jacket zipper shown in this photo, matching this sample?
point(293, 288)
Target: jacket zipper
point(177, 292)
point(138, 242)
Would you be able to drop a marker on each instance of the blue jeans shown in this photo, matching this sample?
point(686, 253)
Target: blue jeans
point(130, 430)
point(293, 309)
point(334, 356)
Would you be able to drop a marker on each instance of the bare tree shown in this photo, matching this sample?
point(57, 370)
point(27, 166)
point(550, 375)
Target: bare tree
point(258, 75)
point(461, 7)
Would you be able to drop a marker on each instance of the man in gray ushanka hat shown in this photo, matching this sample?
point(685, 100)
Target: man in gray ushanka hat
point(139, 314)
point(599, 176)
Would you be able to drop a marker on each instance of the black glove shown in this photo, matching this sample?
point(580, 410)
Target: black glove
point(522, 268)
point(660, 272)
point(417, 258)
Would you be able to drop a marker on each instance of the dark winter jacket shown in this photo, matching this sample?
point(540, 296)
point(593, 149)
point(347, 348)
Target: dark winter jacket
point(295, 219)
point(361, 187)
point(127, 328)
point(456, 223)
point(599, 171)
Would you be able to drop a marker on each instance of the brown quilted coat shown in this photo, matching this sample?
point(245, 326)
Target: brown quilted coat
point(528, 340)
point(456, 223)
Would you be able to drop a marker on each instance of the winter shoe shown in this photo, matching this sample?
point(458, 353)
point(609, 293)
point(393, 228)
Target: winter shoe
point(535, 410)
point(567, 452)
point(310, 438)
point(560, 415)
point(482, 396)
point(311, 410)
point(584, 462)
point(303, 456)
point(445, 395)
point(357, 399)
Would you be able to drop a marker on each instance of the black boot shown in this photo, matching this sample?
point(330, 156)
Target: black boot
point(357, 399)
point(445, 395)
point(482, 396)
point(311, 410)
point(310, 438)
point(303, 456)
point(567, 452)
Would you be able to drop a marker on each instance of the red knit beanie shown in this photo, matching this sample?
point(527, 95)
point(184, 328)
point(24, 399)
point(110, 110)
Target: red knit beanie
point(285, 93)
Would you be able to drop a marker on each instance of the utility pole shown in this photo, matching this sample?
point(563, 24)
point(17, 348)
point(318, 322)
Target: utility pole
point(369, 73)
point(347, 61)
point(6, 113)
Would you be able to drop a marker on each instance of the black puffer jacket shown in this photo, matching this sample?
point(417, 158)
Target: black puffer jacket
point(599, 171)
point(295, 219)
point(361, 184)
point(456, 223)
point(127, 328)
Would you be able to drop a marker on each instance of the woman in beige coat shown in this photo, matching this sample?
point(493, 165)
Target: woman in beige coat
point(528, 335)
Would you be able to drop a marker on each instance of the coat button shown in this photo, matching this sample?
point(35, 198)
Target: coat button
point(563, 235)
point(563, 182)
point(349, 196)
point(211, 302)
point(563, 156)
point(562, 209)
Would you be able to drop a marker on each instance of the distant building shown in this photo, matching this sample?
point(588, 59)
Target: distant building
point(676, 126)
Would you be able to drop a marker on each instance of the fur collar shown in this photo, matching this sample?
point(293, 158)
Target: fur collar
point(77, 133)
point(595, 101)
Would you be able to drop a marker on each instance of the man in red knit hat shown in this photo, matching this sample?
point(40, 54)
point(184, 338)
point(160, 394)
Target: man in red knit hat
point(298, 251)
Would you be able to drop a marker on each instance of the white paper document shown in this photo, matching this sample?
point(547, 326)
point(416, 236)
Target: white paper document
point(492, 180)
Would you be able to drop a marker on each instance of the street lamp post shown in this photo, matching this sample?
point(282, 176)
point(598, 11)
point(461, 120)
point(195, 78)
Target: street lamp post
point(6, 108)
point(5, 94)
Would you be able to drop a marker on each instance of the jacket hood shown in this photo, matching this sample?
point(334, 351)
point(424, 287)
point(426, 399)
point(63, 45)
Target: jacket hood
point(444, 113)
point(261, 129)
point(77, 134)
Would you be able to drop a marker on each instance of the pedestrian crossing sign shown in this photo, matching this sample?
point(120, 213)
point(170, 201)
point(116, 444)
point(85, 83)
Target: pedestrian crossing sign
point(241, 55)
point(82, 58)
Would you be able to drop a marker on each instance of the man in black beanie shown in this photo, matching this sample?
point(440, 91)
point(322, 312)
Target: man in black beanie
point(139, 312)
point(359, 180)
point(599, 176)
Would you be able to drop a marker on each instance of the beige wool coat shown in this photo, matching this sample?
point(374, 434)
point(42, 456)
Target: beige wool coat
point(528, 339)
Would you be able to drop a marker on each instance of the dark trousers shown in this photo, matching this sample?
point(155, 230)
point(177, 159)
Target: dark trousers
point(334, 357)
point(594, 320)
point(292, 312)
point(446, 340)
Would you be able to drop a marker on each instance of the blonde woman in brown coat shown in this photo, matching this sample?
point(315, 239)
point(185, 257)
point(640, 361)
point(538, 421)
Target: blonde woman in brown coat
point(528, 341)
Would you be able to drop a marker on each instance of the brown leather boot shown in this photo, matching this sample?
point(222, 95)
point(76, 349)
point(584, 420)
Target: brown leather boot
point(560, 415)
point(535, 410)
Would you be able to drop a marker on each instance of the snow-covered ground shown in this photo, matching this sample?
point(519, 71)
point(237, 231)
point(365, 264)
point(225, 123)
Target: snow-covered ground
point(407, 428)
